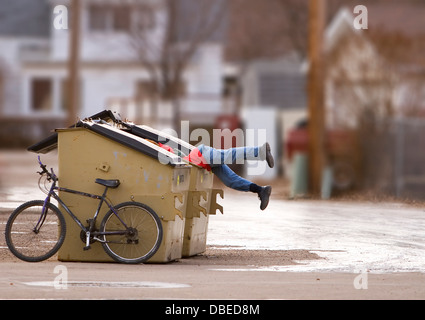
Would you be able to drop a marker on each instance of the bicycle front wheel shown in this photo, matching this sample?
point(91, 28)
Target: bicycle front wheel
point(32, 235)
point(131, 234)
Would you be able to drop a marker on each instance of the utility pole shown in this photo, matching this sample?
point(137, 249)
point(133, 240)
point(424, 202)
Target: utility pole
point(316, 124)
point(74, 63)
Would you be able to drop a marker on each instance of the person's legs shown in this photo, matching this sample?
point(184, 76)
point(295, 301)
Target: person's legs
point(233, 181)
point(217, 157)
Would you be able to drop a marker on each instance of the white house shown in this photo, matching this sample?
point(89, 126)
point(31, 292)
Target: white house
point(361, 78)
point(34, 61)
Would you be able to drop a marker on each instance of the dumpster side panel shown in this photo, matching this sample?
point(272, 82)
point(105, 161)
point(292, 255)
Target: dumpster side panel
point(198, 204)
point(85, 156)
point(195, 236)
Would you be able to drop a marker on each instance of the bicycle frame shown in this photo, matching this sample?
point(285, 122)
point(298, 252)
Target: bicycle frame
point(88, 230)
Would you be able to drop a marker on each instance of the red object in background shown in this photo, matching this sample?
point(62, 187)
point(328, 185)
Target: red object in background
point(342, 150)
point(297, 141)
point(341, 142)
point(231, 122)
point(337, 143)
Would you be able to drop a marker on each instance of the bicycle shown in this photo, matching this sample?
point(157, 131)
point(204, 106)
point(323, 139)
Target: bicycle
point(130, 232)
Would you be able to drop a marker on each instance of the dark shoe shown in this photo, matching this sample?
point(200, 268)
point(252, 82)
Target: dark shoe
point(269, 156)
point(264, 196)
point(266, 154)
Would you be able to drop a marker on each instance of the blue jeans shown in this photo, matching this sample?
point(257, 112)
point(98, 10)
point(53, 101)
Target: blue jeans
point(218, 160)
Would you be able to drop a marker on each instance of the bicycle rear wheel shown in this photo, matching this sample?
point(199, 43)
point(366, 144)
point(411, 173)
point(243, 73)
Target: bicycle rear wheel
point(32, 236)
point(139, 241)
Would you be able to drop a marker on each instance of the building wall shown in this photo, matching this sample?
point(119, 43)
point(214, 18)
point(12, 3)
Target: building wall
point(11, 98)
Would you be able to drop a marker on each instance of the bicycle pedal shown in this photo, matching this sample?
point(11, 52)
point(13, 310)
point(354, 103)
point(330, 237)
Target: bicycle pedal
point(87, 248)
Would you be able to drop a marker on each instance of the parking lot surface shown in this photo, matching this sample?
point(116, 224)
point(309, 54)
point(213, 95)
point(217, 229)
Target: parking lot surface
point(293, 250)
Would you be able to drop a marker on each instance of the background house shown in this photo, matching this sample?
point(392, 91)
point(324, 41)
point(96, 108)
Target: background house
point(35, 57)
point(375, 87)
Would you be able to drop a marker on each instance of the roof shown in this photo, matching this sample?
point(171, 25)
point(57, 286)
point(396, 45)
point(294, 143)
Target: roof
point(396, 30)
point(25, 18)
point(401, 17)
point(33, 18)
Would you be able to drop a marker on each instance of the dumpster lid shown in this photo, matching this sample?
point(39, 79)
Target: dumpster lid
point(51, 142)
point(109, 124)
point(158, 136)
point(129, 140)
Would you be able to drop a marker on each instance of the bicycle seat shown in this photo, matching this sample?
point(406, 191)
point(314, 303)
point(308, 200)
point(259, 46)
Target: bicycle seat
point(108, 183)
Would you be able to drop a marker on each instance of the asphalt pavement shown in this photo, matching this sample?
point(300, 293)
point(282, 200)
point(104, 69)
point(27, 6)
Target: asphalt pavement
point(366, 250)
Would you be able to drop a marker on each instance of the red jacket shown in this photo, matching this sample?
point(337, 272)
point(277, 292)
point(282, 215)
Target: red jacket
point(195, 157)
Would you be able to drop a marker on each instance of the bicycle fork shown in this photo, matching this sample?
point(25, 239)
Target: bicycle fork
point(43, 215)
point(40, 222)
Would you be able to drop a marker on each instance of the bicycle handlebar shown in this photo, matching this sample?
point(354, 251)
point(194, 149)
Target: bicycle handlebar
point(50, 175)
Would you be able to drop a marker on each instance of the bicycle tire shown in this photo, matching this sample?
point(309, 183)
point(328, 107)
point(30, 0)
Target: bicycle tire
point(140, 246)
point(27, 245)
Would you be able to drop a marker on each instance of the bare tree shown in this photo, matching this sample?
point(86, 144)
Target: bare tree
point(263, 30)
point(182, 26)
point(296, 15)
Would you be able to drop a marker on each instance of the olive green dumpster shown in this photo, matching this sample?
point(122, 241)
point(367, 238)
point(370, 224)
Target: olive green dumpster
point(103, 146)
point(148, 174)
point(201, 197)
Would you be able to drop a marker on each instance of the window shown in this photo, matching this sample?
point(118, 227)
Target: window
point(231, 87)
point(41, 94)
point(121, 18)
point(98, 18)
point(282, 90)
point(64, 94)
point(145, 18)
point(109, 18)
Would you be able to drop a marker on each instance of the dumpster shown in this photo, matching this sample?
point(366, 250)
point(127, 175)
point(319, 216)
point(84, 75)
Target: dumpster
point(103, 146)
point(201, 197)
point(95, 150)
